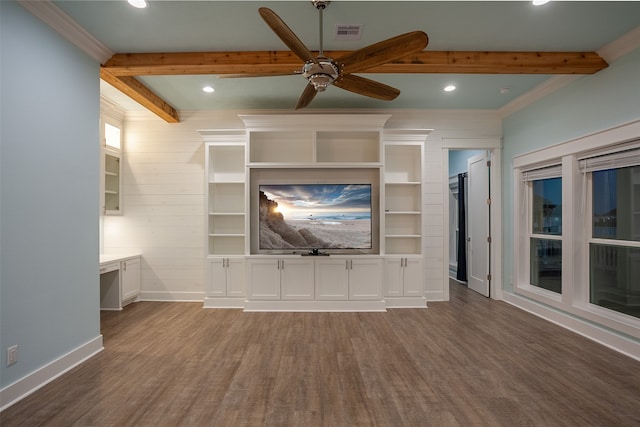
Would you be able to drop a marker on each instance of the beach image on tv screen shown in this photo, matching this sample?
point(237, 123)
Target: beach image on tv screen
point(315, 216)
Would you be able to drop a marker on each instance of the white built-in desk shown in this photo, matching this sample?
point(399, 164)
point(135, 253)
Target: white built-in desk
point(119, 280)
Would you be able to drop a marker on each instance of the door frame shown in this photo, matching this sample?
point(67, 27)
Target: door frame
point(474, 239)
point(494, 146)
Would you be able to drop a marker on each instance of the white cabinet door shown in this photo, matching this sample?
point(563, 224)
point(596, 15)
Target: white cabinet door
point(236, 277)
point(130, 271)
point(365, 279)
point(413, 278)
point(393, 277)
point(217, 278)
point(297, 279)
point(226, 277)
point(264, 278)
point(403, 277)
point(332, 279)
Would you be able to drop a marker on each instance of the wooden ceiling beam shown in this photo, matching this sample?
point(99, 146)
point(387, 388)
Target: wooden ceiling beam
point(430, 62)
point(120, 70)
point(137, 91)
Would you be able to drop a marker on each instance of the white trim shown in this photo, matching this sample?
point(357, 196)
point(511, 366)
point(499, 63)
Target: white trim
point(610, 53)
point(494, 146)
point(314, 121)
point(496, 224)
point(62, 23)
point(595, 333)
point(406, 302)
point(170, 296)
point(543, 89)
point(438, 295)
point(314, 306)
point(621, 46)
point(110, 108)
point(471, 143)
point(219, 302)
point(573, 300)
point(615, 135)
point(39, 378)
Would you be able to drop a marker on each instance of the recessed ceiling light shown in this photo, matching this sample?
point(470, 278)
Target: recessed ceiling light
point(140, 4)
point(449, 88)
point(505, 90)
point(539, 2)
point(208, 89)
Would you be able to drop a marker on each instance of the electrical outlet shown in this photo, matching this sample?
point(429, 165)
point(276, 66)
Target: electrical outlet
point(12, 355)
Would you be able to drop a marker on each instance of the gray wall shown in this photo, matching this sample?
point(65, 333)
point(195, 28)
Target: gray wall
point(588, 105)
point(49, 179)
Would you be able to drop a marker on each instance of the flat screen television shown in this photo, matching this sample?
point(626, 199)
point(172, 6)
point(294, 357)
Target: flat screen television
point(315, 217)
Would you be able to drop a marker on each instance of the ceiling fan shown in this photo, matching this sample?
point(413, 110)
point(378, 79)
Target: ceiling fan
point(321, 72)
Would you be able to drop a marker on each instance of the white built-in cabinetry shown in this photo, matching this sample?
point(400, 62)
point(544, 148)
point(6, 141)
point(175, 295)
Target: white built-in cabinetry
point(314, 148)
point(119, 280)
point(403, 217)
point(111, 167)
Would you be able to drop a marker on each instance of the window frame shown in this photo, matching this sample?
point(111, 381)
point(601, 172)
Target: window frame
point(585, 301)
point(576, 226)
point(541, 236)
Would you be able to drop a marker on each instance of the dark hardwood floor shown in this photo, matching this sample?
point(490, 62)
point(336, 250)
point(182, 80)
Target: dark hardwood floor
point(468, 362)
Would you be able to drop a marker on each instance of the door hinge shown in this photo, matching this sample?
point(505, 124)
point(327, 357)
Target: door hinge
point(488, 163)
point(489, 202)
point(489, 239)
point(489, 277)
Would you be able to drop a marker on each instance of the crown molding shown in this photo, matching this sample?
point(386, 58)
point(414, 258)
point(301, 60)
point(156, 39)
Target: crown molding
point(610, 53)
point(543, 89)
point(62, 23)
point(621, 46)
point(111, 108)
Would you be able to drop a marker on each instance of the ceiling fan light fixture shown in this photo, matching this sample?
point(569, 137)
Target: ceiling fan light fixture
point(140, 4)
point(322, 74)
point(320, 81)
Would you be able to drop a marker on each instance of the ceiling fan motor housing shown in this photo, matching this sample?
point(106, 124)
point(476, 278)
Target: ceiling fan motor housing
point(322, 74)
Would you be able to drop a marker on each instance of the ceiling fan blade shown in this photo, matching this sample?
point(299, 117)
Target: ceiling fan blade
point(307, 96)
point(383, 52)
point(366, 87)
point(286, 34)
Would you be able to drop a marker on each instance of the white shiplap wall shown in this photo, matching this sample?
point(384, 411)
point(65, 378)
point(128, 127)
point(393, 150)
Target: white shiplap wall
point(164, 195)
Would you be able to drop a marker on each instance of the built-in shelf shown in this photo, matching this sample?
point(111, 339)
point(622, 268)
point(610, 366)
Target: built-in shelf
point(312, 149)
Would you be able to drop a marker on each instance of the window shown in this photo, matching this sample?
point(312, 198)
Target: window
point(614, 246)
point(545, 227)
point(112, 136)
point(577, 229)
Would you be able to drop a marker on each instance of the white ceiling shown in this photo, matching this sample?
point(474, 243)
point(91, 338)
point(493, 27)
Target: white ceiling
point(182, 26)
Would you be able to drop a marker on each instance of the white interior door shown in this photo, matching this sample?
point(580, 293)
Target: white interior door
point(478, 224)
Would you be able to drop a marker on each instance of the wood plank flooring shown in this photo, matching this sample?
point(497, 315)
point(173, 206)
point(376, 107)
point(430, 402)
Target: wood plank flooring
point(467, 362)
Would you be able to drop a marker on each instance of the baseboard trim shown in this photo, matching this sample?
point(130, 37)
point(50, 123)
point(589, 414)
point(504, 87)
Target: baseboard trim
point(217, 302)
point(311, 306)
point(435, 296)
point(588, 330)
point(171, 296)
point(406, 302)
point(39, 378)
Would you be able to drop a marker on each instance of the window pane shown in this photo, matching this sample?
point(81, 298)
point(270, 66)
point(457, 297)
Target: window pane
point(614, 273)
point(112, 136)
point(546, 264)
point(616, 204)
point(547, 206)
